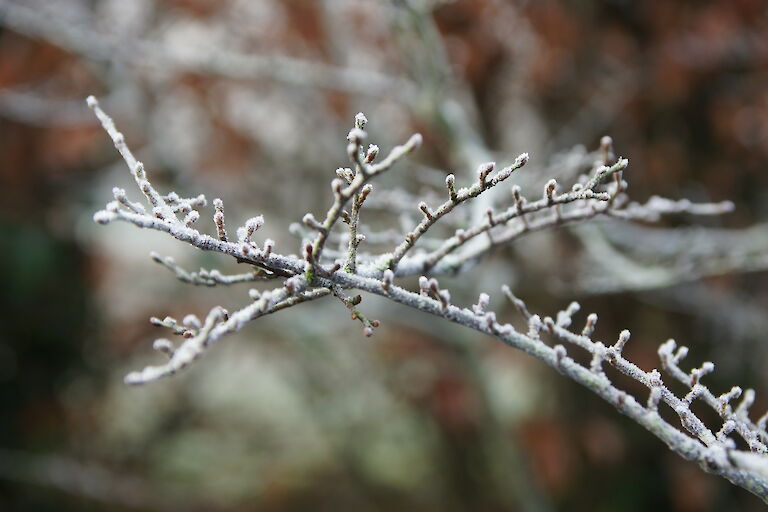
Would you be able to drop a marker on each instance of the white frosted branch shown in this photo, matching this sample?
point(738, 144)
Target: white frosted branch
point(211, 277)
point(217, 324)
point(306, 279)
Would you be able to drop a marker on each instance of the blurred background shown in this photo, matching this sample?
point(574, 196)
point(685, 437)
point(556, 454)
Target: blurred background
point(251, 101)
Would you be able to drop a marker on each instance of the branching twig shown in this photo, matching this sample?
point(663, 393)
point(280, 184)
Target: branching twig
point(305, 280)
point(351, 304)
point(218, 324)
point(522, 208)
point(342, 194)
point(210, 277)
point(454, 198)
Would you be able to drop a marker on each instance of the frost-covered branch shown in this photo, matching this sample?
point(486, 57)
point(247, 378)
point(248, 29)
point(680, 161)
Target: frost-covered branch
point(356, 183)
point(319, 272)
point(455, 198)
point(211, 277)
point(715, 452)
point(219, 323)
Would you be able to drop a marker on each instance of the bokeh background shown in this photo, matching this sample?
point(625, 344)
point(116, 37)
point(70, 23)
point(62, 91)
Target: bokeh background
point(251, 100)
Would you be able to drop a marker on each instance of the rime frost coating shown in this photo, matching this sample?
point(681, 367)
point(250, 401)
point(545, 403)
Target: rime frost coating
point(322, 272)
